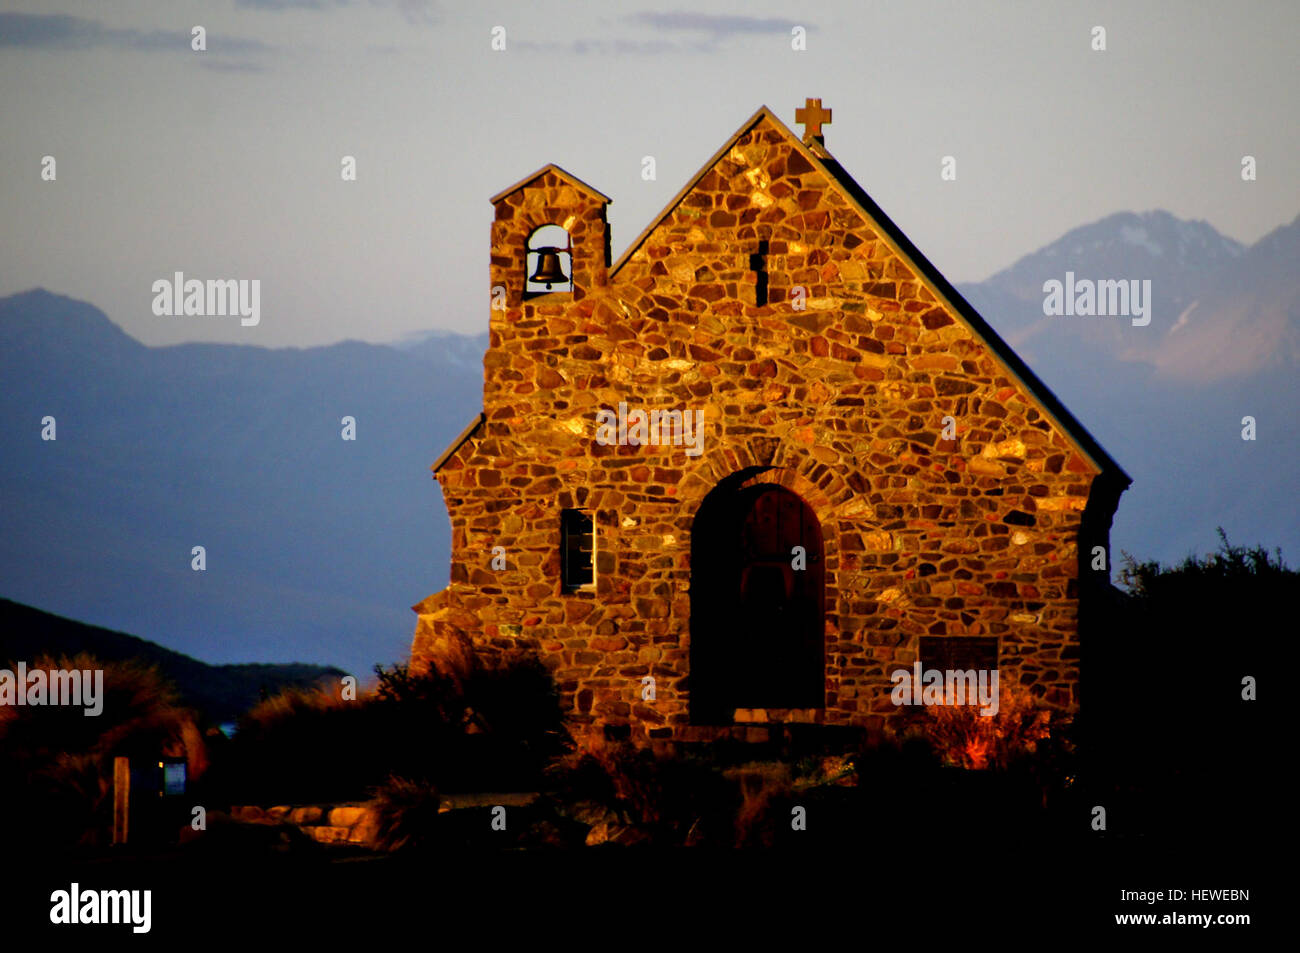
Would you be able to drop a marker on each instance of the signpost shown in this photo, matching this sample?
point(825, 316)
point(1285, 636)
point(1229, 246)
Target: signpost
point(121, 798)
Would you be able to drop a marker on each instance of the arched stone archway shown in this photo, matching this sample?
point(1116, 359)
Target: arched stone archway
point(757, 603)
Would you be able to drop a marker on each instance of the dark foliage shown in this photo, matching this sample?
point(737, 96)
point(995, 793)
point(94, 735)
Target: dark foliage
point(56, 764)
point(1172, 746)
point(492, 729)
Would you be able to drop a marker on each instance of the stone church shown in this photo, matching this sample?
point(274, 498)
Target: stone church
point(738, 477)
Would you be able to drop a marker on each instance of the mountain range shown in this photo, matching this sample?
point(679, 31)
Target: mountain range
point(1167, 400)
point(317, 546)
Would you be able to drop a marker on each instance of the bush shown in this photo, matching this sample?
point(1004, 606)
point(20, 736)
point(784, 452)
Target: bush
point(300, 745)
point(1167, 727)
point(407, 814)
point(962, 737)
point(766, 791)
point(56, 764)
point(667, 798)
point(493, 729)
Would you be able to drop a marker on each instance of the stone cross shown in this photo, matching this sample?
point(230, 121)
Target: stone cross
point(811, 116)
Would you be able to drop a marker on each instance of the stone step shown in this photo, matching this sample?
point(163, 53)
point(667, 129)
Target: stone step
point(326, 834)
point(459, 802)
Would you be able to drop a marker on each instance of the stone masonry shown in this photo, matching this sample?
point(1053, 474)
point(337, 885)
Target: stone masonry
point(837, 388)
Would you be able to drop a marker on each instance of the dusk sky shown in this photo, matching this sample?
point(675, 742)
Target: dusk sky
point(226, 163)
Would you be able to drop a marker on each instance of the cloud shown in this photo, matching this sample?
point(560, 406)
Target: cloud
point(694, 33)
point(58, 31)
point(585, 47)
point(716, 26)
point(416, 12)
point(279, 5)
point(231, 66)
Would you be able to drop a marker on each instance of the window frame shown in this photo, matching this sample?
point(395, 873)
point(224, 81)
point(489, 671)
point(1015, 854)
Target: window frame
point(567, 584)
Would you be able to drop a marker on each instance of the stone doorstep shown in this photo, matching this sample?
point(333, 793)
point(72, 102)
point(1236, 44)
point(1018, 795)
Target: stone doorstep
point(797, 716)
point(460, 802)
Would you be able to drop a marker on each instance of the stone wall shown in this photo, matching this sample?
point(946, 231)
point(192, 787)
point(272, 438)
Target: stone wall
point(842, 401)
point(355, 824)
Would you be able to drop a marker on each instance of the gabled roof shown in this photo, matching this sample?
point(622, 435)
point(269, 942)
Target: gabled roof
point(938, 285)
point(569, 177)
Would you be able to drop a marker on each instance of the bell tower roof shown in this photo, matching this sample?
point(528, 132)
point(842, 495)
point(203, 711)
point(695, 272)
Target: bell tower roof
point(568, 177)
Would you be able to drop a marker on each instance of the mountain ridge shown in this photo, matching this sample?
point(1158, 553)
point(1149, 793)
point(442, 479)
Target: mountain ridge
point(221, 692)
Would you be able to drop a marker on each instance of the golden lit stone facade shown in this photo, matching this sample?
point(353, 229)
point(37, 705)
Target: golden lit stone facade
point(944, 492)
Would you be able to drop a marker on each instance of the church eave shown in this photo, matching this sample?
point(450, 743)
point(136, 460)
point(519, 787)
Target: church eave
point(459, 441)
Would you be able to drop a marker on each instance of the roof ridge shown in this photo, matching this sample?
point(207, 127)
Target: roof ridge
point(562, 173)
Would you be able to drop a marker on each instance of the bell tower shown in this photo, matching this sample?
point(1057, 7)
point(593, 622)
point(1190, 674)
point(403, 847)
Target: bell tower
point(550, 254)
point(550, 242)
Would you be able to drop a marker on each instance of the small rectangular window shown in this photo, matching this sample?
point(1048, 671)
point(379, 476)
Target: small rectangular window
point(957, 653)
point(577, 550)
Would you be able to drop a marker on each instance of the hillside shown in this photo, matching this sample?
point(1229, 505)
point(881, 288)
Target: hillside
point(219, 692)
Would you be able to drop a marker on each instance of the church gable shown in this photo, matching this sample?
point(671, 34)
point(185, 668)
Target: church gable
point(770, 217)
point(770, 369)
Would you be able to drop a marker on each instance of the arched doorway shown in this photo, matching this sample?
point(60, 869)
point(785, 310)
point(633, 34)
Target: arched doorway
point(757, 604)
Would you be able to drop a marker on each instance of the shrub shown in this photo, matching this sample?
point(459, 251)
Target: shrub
point(1166, 720)
point(56, 764)
point(492, 729)
point(671, 798)
point(407, 814)
point(965, 738)
point(766, 789)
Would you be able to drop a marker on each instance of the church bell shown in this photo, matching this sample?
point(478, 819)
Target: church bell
point(549, 270)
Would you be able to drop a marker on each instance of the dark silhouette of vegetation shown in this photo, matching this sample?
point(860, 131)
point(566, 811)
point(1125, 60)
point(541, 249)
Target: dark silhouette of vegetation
point(1172, 745)
point(493, 728)
point(56, 764)
point(664, 796)
point(407, 815)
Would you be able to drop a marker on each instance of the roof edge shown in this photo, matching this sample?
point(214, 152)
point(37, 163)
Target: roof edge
point(676, 199)
point(459, 441)
point(948, 295)
point(552, 167)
